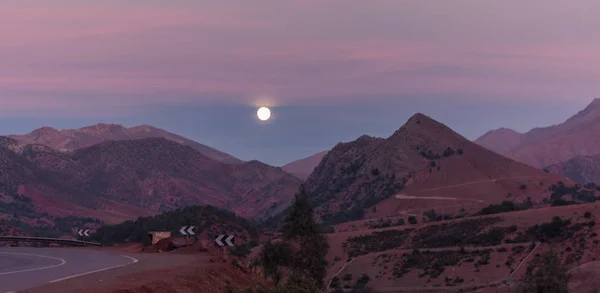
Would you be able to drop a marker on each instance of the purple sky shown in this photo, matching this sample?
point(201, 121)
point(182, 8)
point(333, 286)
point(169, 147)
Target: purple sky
point(70, 62)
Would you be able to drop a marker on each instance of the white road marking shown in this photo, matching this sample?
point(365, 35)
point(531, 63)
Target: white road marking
point(62, 262)
point(133, 260)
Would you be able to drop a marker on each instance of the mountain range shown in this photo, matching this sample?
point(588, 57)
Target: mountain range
point(570, 149)
point(549, 148)
point(71, 139)
point(422, 159)
point(545, 146)
point(118, 180)
point(113, 173)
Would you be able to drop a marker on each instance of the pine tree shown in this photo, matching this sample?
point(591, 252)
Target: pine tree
point(545, 275)
point(300, 228)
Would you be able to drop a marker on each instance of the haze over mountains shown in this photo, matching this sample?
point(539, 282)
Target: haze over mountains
point(568, 148)
point(544, 146)
point(118, 180)
point(304, 167)
point(113, 173)
point(70, 139)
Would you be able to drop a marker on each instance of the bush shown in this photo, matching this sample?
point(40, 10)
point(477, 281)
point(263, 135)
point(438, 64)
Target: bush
point(335, 282)
point(587, 215)
point(523, 187)
point(448, 152)
point(545, 274)
point(412, 220)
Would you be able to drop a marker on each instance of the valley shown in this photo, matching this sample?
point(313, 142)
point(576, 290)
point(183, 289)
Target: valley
point(423, 210)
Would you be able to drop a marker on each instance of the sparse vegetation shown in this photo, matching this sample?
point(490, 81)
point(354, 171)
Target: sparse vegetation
point(376, 242)
point(505, 206)
point(432, 263)
point(213, 220)
point(430, 155)
point(467, 232)
point(545, 274)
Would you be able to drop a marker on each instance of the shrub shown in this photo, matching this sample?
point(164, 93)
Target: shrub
point(412, 220)
point(335, 282)
point(375, 172)
point(448, 152)
point(587, 215)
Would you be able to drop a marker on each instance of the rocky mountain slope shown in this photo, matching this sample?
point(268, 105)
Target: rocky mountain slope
point(71, 139)
point(584, 169)
point(545, 146)
point(423, 158)
point(303, 167)
point(119, 180)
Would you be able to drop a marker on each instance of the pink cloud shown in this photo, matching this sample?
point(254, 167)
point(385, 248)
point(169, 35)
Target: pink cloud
point(293, 51)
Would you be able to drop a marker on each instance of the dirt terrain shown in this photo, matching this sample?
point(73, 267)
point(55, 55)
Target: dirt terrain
point(473, 254)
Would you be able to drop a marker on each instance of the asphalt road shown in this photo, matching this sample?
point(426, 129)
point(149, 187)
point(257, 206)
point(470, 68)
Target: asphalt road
point(26, 267)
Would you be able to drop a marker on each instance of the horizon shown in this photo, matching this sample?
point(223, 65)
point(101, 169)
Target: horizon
point(309, 150)
point(202, 69)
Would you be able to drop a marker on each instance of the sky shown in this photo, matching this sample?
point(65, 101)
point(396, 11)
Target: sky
point(330, 70)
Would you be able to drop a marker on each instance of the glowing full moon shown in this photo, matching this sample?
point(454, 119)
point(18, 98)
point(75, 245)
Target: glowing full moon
point(263, 113)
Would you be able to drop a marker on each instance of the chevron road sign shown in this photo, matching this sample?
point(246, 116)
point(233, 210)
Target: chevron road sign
point(83, 233)
point(187, 230)
point(228, 240)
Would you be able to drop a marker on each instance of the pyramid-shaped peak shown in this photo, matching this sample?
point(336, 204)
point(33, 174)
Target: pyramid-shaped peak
point(423, 128)
point(420, 121)
point(591, 112)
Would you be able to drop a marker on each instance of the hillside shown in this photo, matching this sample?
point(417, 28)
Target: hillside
point(551, 145)
point(424, 159)
point(72, 139)
point(209, 222)
point(583, 169)
point(303, 167)
point(458, 255)
point(116, 181)
point(501, 140)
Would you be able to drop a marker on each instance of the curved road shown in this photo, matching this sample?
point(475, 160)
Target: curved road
point(26, 267)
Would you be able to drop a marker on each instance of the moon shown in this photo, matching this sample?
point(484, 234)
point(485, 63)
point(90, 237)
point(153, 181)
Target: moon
point(263, 113)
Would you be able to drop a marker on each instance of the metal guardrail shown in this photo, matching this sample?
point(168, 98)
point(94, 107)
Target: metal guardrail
point(49, 240)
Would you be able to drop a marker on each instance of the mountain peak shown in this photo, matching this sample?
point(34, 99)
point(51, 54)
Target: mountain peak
point(591, 112)
point(45, 130)
point(103, 126)
point(420, 124)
